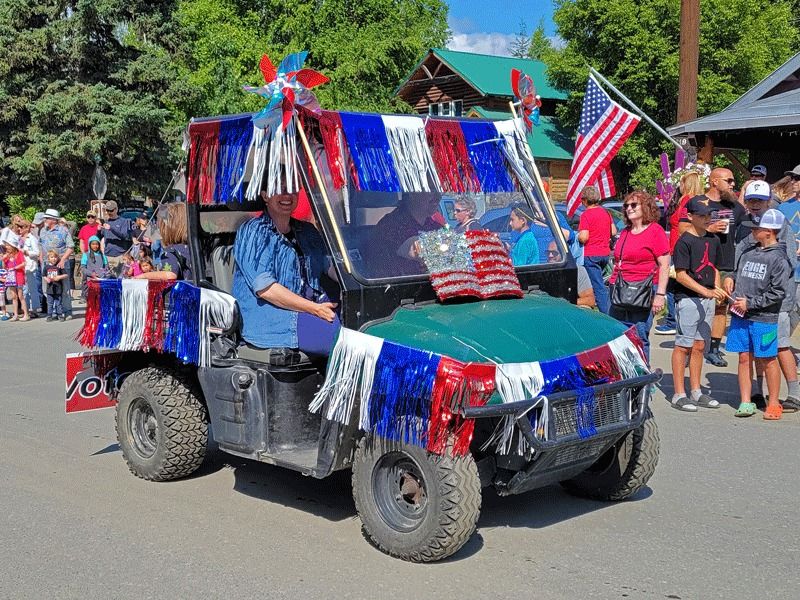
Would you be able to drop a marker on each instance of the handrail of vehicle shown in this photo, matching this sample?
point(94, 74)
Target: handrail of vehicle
point(520, 406)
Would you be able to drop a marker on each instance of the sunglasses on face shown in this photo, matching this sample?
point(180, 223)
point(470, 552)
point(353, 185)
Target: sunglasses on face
point(631, 206)
point(459, 210)
point(553, 253)
point(795, 177)
point(729, 181)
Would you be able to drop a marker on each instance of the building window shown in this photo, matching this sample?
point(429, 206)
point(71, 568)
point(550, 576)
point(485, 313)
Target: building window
point(453, 108)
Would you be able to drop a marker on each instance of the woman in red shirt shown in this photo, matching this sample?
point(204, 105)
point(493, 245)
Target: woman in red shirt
point(641, 251)
point(595, 230)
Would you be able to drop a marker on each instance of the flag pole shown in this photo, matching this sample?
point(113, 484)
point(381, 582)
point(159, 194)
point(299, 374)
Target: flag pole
point(638, 110)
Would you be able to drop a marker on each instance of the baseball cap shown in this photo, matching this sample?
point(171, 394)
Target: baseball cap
point(795, 171)
point(38, 218)
point(111, 206)
point(759, 170)
point(91, 213)
point(698, 205)
point(757, 190)
point(772, 219)
point(11, 238)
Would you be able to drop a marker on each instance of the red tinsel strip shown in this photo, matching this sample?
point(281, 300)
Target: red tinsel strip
point(634, 337)
point(203, 150)
point(330, 126)
point(91, 321)
point(457, 385)
point(450, 156)
point(154, 323)
point(599, 365)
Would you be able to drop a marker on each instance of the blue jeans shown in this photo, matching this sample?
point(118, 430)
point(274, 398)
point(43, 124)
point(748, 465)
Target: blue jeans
point(641, 319)
point(33, 289)
point(594, 266)
point(669, 320)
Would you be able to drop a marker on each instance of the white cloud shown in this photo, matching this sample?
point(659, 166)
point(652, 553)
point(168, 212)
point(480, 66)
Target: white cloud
point(482, 43)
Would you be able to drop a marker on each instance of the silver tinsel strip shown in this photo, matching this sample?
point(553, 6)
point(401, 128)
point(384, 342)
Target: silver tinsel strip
point(134, 313)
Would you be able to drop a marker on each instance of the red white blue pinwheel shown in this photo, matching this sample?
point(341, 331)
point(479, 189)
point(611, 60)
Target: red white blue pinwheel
point(527, 99)
point(286, 86)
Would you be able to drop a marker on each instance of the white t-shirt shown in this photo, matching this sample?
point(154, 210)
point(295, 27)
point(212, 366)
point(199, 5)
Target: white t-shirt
point(31, 249)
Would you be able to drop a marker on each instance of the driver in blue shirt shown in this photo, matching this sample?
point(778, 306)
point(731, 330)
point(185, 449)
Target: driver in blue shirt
point(276, 281)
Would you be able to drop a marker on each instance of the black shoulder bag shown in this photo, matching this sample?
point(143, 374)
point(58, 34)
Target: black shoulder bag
point(631, 295)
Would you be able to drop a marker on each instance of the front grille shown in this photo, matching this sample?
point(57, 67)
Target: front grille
point(578, 452)
point(609, 409)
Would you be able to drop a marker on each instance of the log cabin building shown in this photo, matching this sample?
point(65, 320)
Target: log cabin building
point(450, 83)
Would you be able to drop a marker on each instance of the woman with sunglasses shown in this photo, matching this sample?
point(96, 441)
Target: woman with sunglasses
point(464, 210)
point(641, 252)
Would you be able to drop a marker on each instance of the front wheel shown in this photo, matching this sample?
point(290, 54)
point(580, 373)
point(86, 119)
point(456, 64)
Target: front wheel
point(415, 505)
point(623, 469)
point(162, 425)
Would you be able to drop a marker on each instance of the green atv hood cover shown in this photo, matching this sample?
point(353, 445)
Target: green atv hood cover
point(535, 328)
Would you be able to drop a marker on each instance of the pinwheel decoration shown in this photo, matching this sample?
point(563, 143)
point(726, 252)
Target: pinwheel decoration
point(286, 86)
point(527, 99)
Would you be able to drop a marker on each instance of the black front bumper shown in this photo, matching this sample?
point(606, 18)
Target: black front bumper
point(623, 407)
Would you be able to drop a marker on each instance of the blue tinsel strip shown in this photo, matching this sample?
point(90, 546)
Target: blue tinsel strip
point(109, 330)
point(370, 151)
point(235, 136)
point(400, 402)
point(566, 374)
point(487, 156)
point(183, 328)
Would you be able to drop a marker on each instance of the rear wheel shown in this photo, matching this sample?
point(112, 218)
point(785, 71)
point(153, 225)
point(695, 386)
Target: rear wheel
point(414, 505)
point(162, 425)
point(623, 469)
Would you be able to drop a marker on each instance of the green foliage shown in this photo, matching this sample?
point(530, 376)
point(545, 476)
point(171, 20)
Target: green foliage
point(634, 43)
point(540, 46)
point(521, 44)
point(365, 47)
point(84, 79)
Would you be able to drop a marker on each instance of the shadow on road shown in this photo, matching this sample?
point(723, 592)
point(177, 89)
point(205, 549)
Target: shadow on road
point(724, 387)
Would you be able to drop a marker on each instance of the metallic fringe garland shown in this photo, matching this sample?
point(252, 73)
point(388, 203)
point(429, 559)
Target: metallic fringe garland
point(351, 370)
point(153, 338)
point(91, 320)
point(412, 157)
point(486, 155)
point(183, 330)
point(330, 128)
point(259, 150)
point(134, 313)
point(518, 381)
point(370, 151)
point(451, 157)
point(217, 311)
point(109, 329)
point(204, 146)
point(235, 136)
point(400, 401)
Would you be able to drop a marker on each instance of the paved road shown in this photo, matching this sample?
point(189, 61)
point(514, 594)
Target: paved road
point(719, 520)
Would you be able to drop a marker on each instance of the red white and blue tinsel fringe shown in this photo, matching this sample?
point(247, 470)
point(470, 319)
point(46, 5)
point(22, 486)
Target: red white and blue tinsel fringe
point(168, 316)
point(417, 397)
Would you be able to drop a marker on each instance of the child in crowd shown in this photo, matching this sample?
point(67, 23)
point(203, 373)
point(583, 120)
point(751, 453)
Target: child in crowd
point(94, 264)
point(696, 290)
point(130, 266)
point(3, 314)
point(14, 262)
point(146, 265)
point(53, 276)
point(759, 287)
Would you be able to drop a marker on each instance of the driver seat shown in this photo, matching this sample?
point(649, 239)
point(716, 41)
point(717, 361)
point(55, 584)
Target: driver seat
point(222, 268)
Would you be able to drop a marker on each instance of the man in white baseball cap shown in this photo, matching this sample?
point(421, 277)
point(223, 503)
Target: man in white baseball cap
point(58, 238)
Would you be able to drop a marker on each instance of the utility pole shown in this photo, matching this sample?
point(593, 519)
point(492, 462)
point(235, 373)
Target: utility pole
point(689, 60)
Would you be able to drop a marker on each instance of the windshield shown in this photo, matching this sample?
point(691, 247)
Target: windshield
point(381, 230)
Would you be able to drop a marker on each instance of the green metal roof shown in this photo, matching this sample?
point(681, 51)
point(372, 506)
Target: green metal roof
point(491, 75)
point(548, 141)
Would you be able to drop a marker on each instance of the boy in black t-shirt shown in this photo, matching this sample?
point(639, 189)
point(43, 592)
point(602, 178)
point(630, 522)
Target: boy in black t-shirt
point(53, 277)
point(696, 289)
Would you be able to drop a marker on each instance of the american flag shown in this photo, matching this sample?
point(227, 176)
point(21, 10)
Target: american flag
point(603, 128)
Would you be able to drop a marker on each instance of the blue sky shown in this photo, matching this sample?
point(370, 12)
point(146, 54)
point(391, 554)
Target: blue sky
point(489, 26)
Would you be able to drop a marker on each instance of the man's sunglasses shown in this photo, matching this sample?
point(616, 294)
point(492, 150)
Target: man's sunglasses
point(730, 180)
point(795, 177)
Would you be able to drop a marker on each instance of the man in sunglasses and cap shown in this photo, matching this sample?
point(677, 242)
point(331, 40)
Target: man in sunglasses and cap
point(118, 235)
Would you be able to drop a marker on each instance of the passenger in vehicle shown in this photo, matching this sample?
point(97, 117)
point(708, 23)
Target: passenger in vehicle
point(173, 227)
point(465, 210)
point(525, 250)
point(278, 262)
point(586, 297)
point(393, 250)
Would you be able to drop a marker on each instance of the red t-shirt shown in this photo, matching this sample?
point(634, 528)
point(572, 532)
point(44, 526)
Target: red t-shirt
point(640, 252)
point(674, 219)
point(19, 259)
point(597, 222)
point(86, 232)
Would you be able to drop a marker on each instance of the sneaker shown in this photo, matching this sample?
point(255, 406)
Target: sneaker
point(759, 401)
point(791, 405)
point(67, 317)
point(665, 330)
point(715, 359)
point(4, 318)
point(33, 315)
point(706, 401)
point(683, 403)
point(62, 318)
point(49, 318)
